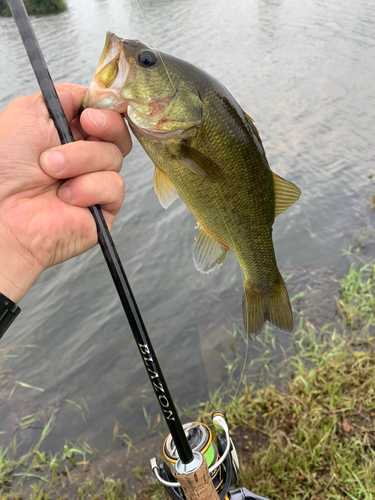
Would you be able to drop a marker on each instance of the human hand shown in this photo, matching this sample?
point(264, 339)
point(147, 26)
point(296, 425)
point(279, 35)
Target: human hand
point(45, 187)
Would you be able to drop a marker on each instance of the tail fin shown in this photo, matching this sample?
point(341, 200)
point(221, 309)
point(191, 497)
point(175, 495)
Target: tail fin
point(273, 307)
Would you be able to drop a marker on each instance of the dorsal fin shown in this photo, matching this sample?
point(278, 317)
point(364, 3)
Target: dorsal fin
point(286, 193)
point(164, 188)
point(250, 121)
point(208, 254)
point(199, 163)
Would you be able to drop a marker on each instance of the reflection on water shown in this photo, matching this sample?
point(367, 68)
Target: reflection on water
point(305, 72)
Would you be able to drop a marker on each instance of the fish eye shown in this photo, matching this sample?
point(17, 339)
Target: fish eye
point(147, 58)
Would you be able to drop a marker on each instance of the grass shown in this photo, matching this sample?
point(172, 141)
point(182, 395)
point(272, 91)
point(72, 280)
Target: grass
point(357, 302)
point(308, 435)
point(315, 440)
point(311, 435)
point(37, 465)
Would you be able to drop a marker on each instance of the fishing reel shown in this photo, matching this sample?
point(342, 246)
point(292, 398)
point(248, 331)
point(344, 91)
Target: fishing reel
point(221, 457)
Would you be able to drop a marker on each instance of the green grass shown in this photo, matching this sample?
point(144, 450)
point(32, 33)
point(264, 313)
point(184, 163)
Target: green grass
point(316, 440)
point(311, 434)
point(40, 466)
point(357, 301)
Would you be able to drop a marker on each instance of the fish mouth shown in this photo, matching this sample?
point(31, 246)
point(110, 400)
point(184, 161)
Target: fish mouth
point(110, 78)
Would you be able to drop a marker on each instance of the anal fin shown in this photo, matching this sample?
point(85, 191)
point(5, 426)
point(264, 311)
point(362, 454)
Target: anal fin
point(208, 254)
point(164, 188)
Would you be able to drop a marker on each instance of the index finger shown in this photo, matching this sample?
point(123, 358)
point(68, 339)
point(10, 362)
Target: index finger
point(108, 126)
point(71, 97)
point(105, 125)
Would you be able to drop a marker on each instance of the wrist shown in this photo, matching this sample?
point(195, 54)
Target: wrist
point(17, 271)
point(14, 287)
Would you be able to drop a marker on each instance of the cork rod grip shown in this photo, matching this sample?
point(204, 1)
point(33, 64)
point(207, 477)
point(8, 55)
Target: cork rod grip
point(198, 485)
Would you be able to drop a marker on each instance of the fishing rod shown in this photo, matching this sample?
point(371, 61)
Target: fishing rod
point(106, 243)
point(186, 474)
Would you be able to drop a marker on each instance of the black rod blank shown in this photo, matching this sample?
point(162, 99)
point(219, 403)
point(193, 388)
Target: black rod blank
point(105, 241)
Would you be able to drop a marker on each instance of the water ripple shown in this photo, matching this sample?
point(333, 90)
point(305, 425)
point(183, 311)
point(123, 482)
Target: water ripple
point(305, 72)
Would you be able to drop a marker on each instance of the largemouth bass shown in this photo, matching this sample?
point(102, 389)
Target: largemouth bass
point(206, 150)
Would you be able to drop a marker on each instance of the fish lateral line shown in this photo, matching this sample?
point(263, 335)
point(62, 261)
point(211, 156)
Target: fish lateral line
point(238, 209)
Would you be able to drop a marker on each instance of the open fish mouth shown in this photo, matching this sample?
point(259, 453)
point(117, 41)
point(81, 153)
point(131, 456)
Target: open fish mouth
point(110, 78)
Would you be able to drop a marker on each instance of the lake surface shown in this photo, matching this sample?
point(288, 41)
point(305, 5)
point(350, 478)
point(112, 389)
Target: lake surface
point(305, 72)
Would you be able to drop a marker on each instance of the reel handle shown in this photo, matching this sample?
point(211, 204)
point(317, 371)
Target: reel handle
point(196, 482)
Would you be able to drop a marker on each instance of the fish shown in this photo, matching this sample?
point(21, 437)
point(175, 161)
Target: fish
point(207, 151)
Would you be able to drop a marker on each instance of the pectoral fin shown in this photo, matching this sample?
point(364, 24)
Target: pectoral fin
point(286, 193)
point(199, 163)
point(208, 254)
point(164, 188)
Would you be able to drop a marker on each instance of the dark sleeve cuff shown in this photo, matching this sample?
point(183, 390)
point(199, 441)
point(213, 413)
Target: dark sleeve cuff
point(8, 313)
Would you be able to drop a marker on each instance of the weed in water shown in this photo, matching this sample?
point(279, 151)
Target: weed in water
point(119, 432)
point(81, 407)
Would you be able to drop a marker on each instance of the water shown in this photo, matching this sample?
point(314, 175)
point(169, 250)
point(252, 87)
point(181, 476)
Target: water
point(305, 72)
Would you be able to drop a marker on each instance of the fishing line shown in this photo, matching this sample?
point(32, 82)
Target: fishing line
point(217, 204)
point(157, 50)
point(128, 18)
point(243, 284)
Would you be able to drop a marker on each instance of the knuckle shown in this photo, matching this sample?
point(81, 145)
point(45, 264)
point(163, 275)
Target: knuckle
point(117, 157)
point(121, 182)
point(118, 189)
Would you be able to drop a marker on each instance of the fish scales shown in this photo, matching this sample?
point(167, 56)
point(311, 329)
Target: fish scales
point(206, 150)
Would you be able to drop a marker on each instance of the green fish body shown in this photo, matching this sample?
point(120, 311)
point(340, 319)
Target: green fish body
point(206, 150)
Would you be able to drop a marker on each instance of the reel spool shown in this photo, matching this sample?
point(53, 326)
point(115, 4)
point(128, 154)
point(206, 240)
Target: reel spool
point(199, 437)
point(221, 457)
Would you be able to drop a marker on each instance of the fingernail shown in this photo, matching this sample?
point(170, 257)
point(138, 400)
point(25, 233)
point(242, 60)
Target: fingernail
point(64, 193)
point(97, 117)
point(54, 160)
